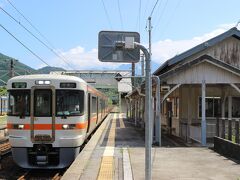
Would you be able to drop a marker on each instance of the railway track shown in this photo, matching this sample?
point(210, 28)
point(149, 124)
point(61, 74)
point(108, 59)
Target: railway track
point(5, 148)
point(42, 174)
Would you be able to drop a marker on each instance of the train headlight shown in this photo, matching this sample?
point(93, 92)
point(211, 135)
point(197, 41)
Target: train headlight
point(43, 82)
point(18, 126)
point(65, 126)
point(68, 126)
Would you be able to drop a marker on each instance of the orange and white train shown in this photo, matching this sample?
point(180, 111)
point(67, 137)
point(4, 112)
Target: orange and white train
point(49, 118)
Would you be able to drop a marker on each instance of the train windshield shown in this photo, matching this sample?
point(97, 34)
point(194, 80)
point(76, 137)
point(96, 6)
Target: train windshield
point(43, 102)
point(69, 102)
point(19, 103)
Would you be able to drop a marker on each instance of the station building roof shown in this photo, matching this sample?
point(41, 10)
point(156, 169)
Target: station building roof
point(233, 32)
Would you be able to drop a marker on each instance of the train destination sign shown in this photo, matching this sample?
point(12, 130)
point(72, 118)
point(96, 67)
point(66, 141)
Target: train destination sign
point(118, 46)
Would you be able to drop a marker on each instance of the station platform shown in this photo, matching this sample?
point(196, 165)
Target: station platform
point(117, 151)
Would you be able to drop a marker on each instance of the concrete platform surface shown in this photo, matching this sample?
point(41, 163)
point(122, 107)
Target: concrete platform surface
point(185, 164)
point(119, 153)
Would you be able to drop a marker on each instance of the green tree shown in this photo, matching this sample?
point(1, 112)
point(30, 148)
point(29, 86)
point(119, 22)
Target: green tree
point(3, 91)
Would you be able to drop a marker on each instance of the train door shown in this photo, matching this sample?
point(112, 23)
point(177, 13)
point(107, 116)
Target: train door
point(43, 114)
point(97, 110)
point(93, 111)
point(89, 112)
point(100, 108)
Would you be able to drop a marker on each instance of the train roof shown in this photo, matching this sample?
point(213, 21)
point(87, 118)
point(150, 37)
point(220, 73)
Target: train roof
point(53, 77)
point(46, 77)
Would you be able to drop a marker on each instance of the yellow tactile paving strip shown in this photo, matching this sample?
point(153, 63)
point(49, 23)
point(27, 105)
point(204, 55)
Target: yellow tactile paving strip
point(106, 171)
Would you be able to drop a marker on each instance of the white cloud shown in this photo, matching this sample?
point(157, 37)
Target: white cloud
point(164, 50)
point(80, 59)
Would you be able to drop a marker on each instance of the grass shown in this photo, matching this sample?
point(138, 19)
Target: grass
point(3, 120)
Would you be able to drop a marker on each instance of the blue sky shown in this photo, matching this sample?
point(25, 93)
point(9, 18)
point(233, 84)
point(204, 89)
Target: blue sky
point(73, 26)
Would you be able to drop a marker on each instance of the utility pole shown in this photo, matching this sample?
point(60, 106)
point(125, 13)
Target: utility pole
point(148, 107)
point(11, 69)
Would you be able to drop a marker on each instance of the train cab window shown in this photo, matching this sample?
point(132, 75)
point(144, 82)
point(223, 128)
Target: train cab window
point(19, 103)
point(69, 102)
point(42, 102)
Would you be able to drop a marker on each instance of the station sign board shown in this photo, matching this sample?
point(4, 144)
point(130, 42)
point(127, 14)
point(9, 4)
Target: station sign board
point(118, 77)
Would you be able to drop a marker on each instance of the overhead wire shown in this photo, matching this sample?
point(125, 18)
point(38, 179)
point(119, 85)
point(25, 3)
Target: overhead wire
point(139, 17)
point(151, 13)
point(138, 25)
point(161, 14)
point(44, 44)
point(32, 52)
point(41, 34)
point(23, 69)
point(139, 11)
point(146, 7)
point(120, 14)
point(107, 15)
point(153, 8)
point(31, 24)
point(158, 7)
point(171, 17)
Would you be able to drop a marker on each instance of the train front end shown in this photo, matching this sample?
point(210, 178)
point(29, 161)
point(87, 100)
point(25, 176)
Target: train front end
point(46, 120)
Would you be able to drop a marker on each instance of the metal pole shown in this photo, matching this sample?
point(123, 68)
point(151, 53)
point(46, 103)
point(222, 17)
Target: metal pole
point(142, 64)
point(127, 106)
point(229, 107)
point(148, 120)
point(1, 105)
point(148, 154)
point(158, 108)
point(133, 74)
point(11, 69)
point(120, 103)
point(229, 118)
point(135, 112)
point(203, 113)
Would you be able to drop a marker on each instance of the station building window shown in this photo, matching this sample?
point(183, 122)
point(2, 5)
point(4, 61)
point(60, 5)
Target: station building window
point(235, 107)
point(213, 106)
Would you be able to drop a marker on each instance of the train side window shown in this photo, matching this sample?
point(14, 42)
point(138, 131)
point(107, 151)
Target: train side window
point(94, 106)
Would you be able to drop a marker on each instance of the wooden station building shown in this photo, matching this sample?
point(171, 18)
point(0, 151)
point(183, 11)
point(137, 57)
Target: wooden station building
point(197, 87)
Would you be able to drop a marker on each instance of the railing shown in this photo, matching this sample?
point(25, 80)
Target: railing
point(193, 130)
point(228, 129)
